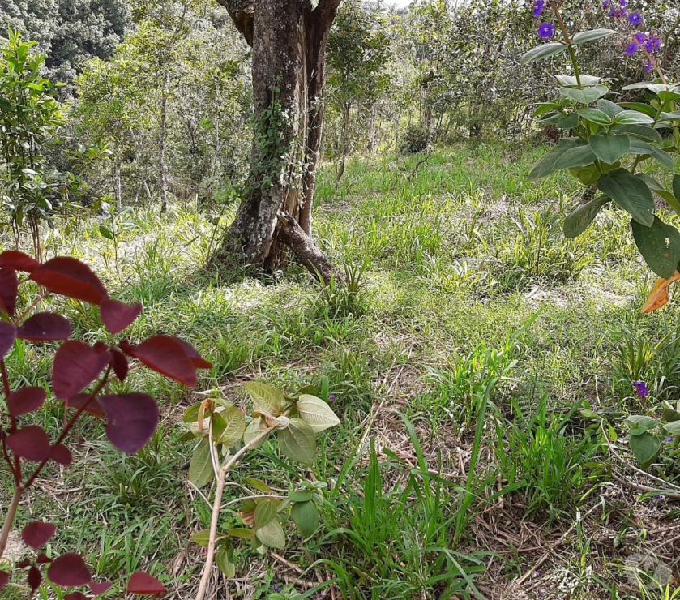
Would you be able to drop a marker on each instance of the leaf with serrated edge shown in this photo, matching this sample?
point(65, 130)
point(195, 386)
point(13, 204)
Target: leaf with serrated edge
point(200, 468)
point(298, 442)
point(267, 400)
point(271, 535)
point(316, 413)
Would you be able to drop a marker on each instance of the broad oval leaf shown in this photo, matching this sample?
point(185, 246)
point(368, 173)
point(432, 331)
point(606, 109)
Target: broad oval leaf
point(132, 420)
point(9, 288)
point(579, 156)
point(632, 117)
point(316, 413)
point(100, 588)
point(166, 355)
point(583, 80)
point(88, 404)
point(659, 246)
point(61, 455)
point(45, 327)
point(143, 584)
point(8, 335)
point(306, 516)
point(72, 278)
point(644, 132)
point(26, 400)
point(267, 399)
point(586, 95)
point(118, 316)
point(201, 471)
point(631, 193)
point(34, 578)
point(645, 447)
point(37, 534)
point(641, 148)
point(298, 442)
point(76, 366)
point(272, 535)
point(30, 443)
point(69, 570)
point(235, 425)
point(581, 218)
point(543, 51)
point(587, 37)
point(594, 115)
point(610, 148)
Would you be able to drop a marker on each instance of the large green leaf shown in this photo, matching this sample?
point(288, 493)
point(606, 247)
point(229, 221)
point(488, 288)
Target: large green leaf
point(583, 80)
point(306, 516)
point(543, 51)
point(586, 37)
point(646, 109)
point(316, 413)
point(267, 400)
point(631, 193)
point(645, 447)
point(546, 166)
point(200, 467)
point(298, 442)
point(272, 535)
point(265, 511)
point(586, 95)
point(659, 246)
point(641, 131)
point(579, 220)
point(607, 106)
point(633, 117)
point(651, 86)
point(639, 424)
point(610, 148)
point(579, 156)
point(595, 115)
point(641, 148)
point(235, 426)
point(673, 428)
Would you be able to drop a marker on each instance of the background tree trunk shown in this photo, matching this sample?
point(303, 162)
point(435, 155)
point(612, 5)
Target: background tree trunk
point(289, 40)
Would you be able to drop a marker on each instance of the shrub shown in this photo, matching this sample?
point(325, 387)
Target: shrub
point(416, 139)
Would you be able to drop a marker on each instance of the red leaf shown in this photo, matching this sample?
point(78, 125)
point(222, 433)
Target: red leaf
point(18, 261)
point(72, 278)
point(34, 578)
point(30, 443)
point(37, 534)
point(76, 366)
point(75, 596)
point(45, 327)
point(132, 420)
point(69, 570)
point(100, 588)
point(61, 455)
point(43, 559)
point(8, 335)
point(194, 356)
point(119, 364)
point(143, 584)
point(118, 316)
point(93, 408)
point(26, 400)
point(165, 355)
point(4, 580)
point(9, 287)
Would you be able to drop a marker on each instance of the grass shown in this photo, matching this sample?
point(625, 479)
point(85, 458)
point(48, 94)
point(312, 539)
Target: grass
point(481, 365)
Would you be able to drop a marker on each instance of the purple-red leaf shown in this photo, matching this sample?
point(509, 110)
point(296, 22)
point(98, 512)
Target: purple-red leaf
point(166, 355)
point(118, 316)
point(92, 407)
point(198, 361)
point(30, 443)
point(76, 366)
point(18, 261)
point(37, 534)
point(61, 455)
point(143, 584)
point(8, 335)
point(119, 364)
point(75, 596)
point(43, 559)
point(34, 578)
point(100, 588)
point(132, 420)
point(45, 327)
point(26, 400)
point(9, 287)
point(72, 278)
point(4, 580)
point(69, 570)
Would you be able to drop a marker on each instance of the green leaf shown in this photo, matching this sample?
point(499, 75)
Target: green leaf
point(673, 428)
point(191, 415)
point(645, 447)
point(641, 131)
point(595, 115)
point(547, 165)
point(267, 400)
point(200, 468)
point(224, 563)
point(585, 95)
point(580, 156)
point(316, 413)
point(544, 108)
point(639, 424)
point(588, 175)
point(297, 442)
point(608, 107)
point(234, 426)
point(671, 117)
point(676, 186)
point(306, 516)
point(258, 485)
point(579, 220)
point(632, 117)
point(253, 430)
point(272, 535)
point(631, 193)
point(201, 538)
point(265, 511)
point(610, 148)
point(571, 81)
point(659, 246)
point(543, 51)
point(651, 86)
point(586, 37)
point(646, 109)
point(106, 232)
point(300, 496)
point(641, 148)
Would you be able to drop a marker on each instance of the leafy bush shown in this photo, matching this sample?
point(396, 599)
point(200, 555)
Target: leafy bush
point(415, 139)
point(84, 379)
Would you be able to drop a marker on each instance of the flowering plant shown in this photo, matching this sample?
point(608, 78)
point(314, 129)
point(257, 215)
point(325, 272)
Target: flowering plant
point(609, 145)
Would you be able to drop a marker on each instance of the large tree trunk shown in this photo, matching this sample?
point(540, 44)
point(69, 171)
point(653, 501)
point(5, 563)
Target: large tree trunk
point(288, 39)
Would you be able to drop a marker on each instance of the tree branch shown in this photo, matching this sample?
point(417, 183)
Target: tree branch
point(327, 9)
point(242, 13)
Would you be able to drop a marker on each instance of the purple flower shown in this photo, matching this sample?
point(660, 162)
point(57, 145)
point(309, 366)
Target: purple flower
point(547, 31)
point(654, 44)
point(633, 49)
point(650, 66)
point(539, 8)
point(640, 38)
point(636, 19)
point(641, 389)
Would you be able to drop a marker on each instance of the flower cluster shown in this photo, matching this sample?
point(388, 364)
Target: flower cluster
point(547, 30)
point(641, 389)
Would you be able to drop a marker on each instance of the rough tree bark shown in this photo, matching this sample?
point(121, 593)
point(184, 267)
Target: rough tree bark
point(289, 40)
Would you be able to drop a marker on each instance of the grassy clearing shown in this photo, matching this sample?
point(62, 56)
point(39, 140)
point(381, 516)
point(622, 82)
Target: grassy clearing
point(481, 366)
